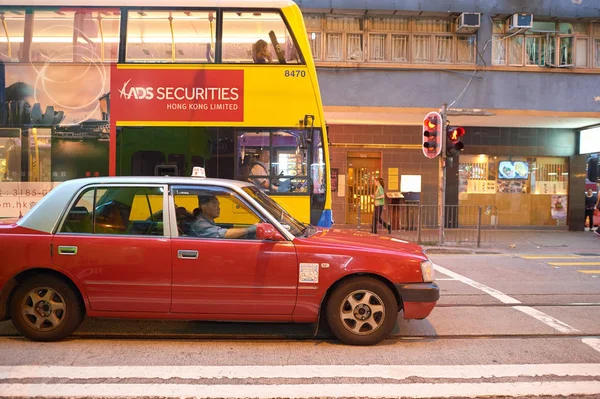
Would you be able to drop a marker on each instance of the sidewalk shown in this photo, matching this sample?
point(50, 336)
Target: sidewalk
point(517, 241)
point(533, 242)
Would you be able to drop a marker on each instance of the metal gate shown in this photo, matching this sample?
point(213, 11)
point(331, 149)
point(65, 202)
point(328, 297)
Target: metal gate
point(361, 174)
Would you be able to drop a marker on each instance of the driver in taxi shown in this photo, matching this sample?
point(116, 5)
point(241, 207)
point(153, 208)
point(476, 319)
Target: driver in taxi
point(205, 226)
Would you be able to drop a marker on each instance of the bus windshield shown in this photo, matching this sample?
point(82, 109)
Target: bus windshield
point(281, 215)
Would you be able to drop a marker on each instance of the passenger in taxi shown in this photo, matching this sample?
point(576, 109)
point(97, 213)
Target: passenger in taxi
point(205, 225)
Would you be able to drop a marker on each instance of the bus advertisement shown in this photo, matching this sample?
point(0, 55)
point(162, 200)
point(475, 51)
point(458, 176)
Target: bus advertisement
point(142, 89)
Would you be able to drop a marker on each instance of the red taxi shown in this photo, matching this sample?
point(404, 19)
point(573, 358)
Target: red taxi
point(199, 249)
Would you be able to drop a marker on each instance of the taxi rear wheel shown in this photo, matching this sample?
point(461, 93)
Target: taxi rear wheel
point(45, 308)
point(362, 311)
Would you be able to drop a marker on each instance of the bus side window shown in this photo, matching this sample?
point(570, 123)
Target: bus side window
point(257, 37)
point(176, 36)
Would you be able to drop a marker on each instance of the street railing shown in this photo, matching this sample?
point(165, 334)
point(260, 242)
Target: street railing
point(464, 224)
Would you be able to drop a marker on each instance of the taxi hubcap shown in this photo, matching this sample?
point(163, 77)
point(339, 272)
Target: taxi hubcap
point(43, 309)
point(362, 312)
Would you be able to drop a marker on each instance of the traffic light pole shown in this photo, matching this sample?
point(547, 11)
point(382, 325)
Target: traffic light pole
point(442, 179)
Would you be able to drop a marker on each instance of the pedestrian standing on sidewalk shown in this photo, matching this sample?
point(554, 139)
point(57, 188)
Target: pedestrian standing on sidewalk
point(591, 201)
point(379, 198)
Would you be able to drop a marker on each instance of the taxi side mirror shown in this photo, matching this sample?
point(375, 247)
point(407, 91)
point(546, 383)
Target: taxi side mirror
point(266, 231)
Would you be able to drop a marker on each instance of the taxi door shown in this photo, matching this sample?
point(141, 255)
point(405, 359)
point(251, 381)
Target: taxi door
point(115, 242)
point(217, 275)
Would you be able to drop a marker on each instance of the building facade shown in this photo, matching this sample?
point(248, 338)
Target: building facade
point(523, 78)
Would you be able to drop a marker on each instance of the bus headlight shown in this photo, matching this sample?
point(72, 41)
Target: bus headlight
point(428, 271)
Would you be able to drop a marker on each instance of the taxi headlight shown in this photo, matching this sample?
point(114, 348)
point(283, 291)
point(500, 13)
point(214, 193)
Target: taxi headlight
point(427, 271)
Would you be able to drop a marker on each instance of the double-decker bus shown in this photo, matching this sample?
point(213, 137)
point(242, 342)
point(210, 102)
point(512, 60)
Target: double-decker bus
point(131, 87)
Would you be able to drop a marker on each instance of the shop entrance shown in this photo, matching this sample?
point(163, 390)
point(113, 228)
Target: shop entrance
point(363, 168)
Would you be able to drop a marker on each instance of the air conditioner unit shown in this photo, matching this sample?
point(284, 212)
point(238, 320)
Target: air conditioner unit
point(519, 21)
point(468, 22)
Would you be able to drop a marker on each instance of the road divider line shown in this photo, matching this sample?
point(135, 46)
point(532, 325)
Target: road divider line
point(395, 372)
point(551, 257)
point(565, 388)
point(574, 263)
point(589, 271)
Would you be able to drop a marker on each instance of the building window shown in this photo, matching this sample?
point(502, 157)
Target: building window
point(344, 32)
point(316, 45)
point(400, 51)
point(389, 39)
point(547, 44)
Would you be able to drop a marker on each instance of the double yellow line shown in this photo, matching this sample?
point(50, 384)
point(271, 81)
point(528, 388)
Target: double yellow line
point(563, 264)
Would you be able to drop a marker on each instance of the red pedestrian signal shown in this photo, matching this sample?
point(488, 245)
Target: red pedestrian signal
point(432, 135)
point(453, 144)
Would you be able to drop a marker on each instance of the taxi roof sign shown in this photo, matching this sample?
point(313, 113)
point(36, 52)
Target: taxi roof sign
point(198, 172)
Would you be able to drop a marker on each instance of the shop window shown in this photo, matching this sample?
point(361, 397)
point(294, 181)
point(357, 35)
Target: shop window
point(252, 37)
point(171, 36)
point(11, 34)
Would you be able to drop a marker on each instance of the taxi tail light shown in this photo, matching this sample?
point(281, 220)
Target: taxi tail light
point(428, 271)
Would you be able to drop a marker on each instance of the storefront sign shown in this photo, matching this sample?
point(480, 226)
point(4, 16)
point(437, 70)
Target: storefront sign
point(551, 187)
point(481, 187)
point(334, 180)
point(177, 95)
point(18, 198)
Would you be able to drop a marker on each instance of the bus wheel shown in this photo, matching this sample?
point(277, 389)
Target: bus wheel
point(362, 311)
point(45, 308)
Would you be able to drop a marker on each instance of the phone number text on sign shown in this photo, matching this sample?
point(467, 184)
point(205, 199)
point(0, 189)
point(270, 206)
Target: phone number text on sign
point(18, 198)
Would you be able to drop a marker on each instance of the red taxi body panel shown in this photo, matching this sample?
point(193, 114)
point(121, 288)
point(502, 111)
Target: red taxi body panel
point(249, 278)
point(338, 256)
point(119, 273)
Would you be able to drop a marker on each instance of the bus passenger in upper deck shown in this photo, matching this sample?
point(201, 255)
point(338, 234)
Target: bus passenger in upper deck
point(262, 55)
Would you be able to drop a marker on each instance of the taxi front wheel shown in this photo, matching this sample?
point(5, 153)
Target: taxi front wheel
point(45, 308)
point(362, 311)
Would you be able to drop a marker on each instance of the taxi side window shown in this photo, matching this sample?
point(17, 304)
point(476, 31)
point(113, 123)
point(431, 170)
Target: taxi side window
point(209, 213)
point(117, 210)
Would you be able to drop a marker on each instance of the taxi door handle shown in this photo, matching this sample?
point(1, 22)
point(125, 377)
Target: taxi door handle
point(67, 250)
point(186, 254)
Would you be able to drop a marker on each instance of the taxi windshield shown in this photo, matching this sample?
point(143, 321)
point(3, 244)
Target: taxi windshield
point(281, 215)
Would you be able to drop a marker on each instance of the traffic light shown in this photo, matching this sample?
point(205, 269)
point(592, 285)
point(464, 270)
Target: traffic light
point(432, 135)
point(453, 143)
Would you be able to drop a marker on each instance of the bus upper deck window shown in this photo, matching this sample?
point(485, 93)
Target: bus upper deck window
point(11, 34)
point(171, 36)
point(257, 37)
point(75, 35)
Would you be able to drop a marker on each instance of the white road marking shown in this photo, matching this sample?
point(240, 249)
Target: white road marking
point(394, 372)
point(593, 342)
point(541, 316)
point(304, 390)
point(548, 320)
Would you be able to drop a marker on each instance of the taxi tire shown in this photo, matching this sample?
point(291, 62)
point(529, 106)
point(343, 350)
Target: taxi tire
point(346, 288)
point(74, 312)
